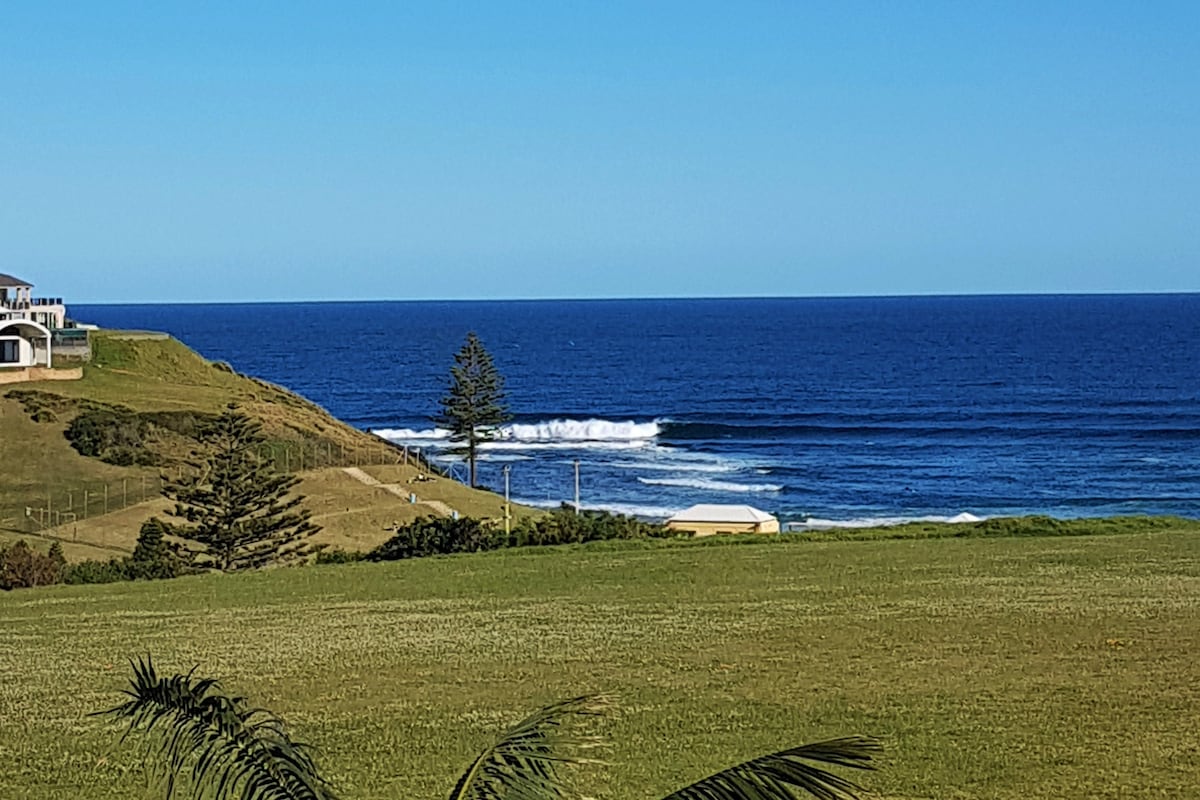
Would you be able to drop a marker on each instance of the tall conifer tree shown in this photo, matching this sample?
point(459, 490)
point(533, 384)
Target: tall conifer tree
point(234, 504)
point(474, 405)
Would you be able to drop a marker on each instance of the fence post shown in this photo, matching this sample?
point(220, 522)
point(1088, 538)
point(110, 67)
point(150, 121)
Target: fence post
point(124, 492)
point(106, 498)
point(85, 503)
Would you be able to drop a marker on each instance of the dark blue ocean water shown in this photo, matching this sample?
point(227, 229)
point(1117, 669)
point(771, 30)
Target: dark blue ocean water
point(836, 409)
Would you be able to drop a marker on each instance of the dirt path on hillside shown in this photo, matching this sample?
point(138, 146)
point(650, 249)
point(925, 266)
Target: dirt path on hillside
point(397, 489)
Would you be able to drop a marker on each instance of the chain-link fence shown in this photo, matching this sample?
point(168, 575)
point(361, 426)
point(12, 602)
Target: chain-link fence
point(60, 504)
point(64, 504)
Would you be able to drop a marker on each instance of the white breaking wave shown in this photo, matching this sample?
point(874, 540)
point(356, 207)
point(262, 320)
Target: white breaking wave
point(505, 444)
point(586, 430)
point(814, 524)
point(712, 486)
point(409, 436)
point(555, 434)
point(675, 466)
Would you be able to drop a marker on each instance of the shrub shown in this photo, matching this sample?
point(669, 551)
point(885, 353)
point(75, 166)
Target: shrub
point(564, 526)
point(155, 558)
point(113, 434)
point(429, 536)
point(339, 556)
point(191, 424)
point(41, 406)
point(97, 572)
point(440, 536)
point(22, 567)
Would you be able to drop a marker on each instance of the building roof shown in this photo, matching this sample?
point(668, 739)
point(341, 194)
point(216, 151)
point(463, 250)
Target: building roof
point(8, 281)
point(721, 513)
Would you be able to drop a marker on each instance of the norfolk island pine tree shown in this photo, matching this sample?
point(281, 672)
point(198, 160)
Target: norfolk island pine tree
point(234, 504)
point(473, 407)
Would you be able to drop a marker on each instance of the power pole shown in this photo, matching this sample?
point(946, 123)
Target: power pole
point(577, 486)
point(507, 506)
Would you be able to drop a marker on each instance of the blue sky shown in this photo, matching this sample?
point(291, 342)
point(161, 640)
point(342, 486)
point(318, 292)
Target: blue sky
point(250, 151)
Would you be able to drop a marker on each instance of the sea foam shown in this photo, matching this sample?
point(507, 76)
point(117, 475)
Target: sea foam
point(712, 486)
point(552, 434)
point(815, 524)
point(676, 465)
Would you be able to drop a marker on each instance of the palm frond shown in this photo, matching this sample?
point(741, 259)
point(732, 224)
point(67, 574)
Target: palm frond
point(213, 741)
point(783, 775)
point(526, 762)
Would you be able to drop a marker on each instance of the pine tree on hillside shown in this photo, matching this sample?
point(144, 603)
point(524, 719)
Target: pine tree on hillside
point(234, 504)
point(154, 557)
point(474, 406)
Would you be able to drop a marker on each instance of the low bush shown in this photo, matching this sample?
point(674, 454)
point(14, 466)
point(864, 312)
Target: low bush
point(154, 558)
point(41, 406)
point(565, 526)
point(191, 424)
point(97, 572)
point(339, 556)
point(22, 567)
point(430, 536)
point(112, 434)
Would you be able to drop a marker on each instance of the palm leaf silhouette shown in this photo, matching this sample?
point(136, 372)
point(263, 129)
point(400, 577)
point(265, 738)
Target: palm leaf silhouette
point(780, 776)
point(218, 744)
point(222, 749)
point(526, 762)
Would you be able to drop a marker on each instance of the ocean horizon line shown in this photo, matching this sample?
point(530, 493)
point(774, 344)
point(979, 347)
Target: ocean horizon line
point(638, 298)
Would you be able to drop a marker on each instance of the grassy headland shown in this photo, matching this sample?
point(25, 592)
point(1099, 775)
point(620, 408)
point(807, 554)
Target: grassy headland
point(160, 387)
point(1007, 667)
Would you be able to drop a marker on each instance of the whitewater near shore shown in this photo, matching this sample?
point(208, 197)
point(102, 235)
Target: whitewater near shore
point(633, 447)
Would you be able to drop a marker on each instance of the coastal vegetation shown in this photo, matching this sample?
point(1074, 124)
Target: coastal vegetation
point(432, 536)
point(155, 557)
point(998, 667)
point(473, 407)
point(238, 511)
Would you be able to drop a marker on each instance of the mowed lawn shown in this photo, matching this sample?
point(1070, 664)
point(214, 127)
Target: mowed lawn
point(991, 668)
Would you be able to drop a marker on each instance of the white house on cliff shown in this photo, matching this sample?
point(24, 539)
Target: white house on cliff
point(27, 324)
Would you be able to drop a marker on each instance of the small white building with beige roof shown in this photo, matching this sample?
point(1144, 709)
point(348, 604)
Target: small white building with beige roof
point(706, 520)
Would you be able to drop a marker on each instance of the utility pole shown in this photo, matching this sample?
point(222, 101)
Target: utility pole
point(577, 486)
point(507, 506)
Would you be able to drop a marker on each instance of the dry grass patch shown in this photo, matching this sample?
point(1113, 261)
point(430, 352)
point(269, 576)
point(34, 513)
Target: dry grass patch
point(352, 515)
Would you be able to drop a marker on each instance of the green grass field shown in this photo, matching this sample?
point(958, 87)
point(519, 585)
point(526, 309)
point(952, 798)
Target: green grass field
point(992, 668)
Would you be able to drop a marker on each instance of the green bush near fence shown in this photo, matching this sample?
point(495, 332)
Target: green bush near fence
point(431, 536)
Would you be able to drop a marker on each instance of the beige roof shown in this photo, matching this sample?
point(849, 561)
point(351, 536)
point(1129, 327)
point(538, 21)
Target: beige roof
point(720, 513)
point(8, 281)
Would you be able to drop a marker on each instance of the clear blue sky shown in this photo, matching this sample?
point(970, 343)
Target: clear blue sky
point(246, 151)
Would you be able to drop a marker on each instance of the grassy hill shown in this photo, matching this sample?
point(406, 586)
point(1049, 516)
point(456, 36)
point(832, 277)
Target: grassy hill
point(159, 389)
point(1004, 668)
